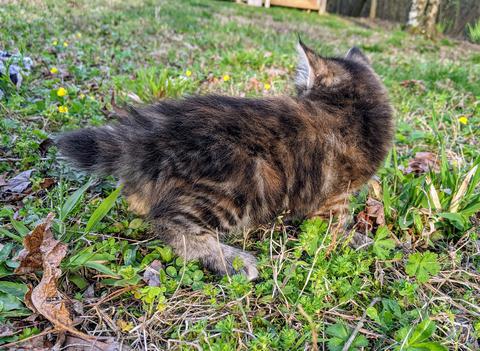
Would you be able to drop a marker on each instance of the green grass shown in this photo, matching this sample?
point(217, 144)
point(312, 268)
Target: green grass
point(418, 283)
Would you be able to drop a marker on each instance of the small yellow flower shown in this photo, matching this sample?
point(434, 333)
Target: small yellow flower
point(63, 109)
point(463, 120)
point(55, 42)
point(81, 96)
point(267, 86)
point(188, 73)
point(79, 35)
point(124, 326)
point(65, 44)
point(54, 70)
point(226, 78)
point(62, 92)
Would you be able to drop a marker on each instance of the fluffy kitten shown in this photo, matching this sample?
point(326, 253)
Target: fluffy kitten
point(204, 166)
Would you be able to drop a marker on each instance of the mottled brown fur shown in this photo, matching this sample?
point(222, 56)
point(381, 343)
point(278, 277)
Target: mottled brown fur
point(204, 166)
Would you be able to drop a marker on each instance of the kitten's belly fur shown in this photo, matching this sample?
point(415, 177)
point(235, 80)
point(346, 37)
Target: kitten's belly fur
point(142, 198)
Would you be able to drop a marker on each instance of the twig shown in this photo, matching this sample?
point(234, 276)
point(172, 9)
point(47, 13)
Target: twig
point(359, 325)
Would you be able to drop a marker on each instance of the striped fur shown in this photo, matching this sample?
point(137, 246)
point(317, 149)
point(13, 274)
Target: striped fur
point(205, 166)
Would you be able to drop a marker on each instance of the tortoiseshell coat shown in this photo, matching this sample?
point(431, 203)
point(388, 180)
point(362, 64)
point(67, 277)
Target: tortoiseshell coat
point(204, 166)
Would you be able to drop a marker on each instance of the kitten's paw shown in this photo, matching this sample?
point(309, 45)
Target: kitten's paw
point(234, 261)
point(248, 265)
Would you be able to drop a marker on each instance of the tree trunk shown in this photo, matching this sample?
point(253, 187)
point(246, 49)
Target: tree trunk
point(423, 16)
point(431, 17)
point(373, 9)
point(322, 7)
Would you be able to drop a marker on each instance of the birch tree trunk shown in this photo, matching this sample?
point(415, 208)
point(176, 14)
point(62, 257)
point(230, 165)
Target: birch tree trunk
point(423, 16)
point(322, 7)
point(373, 9)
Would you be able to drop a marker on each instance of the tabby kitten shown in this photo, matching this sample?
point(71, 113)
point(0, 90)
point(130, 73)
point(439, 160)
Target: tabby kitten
point(205, 166)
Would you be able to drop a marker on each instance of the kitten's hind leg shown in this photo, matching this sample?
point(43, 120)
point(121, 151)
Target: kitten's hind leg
point(191, 242)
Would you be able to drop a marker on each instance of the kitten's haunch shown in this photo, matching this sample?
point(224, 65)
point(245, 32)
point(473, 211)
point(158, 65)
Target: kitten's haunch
point(205, 166)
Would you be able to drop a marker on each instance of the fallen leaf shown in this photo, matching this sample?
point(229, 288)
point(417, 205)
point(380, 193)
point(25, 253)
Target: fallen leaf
point(6, 330)
point(47, 183)
point(37, 343)
point(423, 162)
point(375, 210)
point(253, 84)
point(42, 250)
point(413, 83)
point(19, 183)
point(372, 216)
point(73, 343)
point(31, 258)
point(363, 222)
point(89, 292)
point(151, 274)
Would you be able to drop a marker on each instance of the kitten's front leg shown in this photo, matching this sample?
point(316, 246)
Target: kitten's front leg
point(336, 206)
point(192, 242)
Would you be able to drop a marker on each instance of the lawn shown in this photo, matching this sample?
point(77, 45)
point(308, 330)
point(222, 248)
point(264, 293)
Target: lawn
point(415, 286)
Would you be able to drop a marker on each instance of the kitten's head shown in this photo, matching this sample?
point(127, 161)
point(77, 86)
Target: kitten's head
point(318, 76)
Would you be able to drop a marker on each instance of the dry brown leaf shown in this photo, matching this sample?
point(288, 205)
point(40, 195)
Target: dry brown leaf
point(42, 250)
point(151, 274)
point(73, 343)
point(47, 183)
point(423, 162)
point(372, 216)
point(375, 210)
point(31, 257)
point(37, 343)
point(413, 83)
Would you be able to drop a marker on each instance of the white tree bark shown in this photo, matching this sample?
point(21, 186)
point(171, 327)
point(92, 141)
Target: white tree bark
point(322, 7)
point(423, 16)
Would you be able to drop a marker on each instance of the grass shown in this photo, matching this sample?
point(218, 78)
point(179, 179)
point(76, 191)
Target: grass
point(474, 32)
point(416, 286)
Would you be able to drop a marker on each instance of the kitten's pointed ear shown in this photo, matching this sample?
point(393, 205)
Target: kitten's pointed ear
point(305, 66)
point(355, 54)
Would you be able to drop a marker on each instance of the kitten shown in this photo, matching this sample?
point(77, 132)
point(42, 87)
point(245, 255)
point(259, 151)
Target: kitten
point(204, 166)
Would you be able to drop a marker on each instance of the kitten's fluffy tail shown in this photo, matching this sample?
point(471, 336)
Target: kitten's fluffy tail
point(96, 150)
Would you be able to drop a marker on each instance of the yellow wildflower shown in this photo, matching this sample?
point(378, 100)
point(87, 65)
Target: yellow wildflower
point(463, 120)
point(267, 86)
point(124, 326)
point(79, 35)
point(55, 42)
point(53, 70)
point(226, 78)
point(62, 92)
point(63, 109)
point(65, 44)
point(82, 96)
point(188, 73)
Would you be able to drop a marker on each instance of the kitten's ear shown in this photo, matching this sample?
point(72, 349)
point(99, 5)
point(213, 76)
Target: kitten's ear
point(305, 66)
point(355, 54)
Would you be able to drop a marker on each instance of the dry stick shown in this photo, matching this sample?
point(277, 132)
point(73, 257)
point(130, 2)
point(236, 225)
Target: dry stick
point(312, 327)
point(359, 325)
